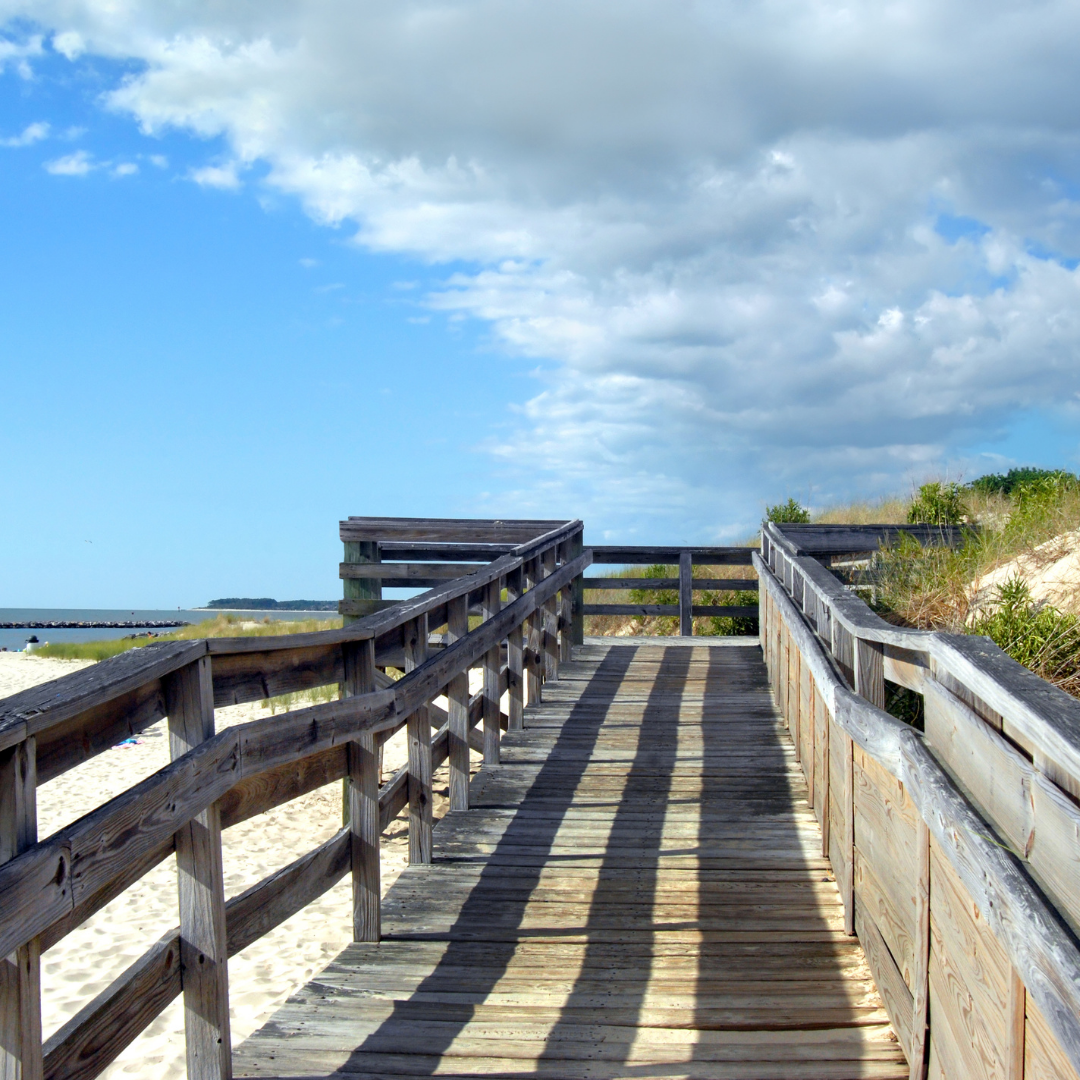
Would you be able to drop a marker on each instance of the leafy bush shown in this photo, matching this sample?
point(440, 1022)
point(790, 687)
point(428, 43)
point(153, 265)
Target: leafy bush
point(1040, 637)
point(938, 504)
point(790, 512)
point(1007, 483)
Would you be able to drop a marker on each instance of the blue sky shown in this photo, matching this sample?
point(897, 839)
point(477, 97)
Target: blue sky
point(264, 267)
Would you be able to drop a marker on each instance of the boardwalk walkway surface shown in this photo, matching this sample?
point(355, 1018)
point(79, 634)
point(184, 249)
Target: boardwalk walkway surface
point(637, 892)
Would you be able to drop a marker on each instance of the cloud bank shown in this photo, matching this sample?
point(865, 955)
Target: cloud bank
point(762, 248)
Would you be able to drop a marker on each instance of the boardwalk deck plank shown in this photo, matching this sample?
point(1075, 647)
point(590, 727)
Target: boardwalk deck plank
point(638, 891)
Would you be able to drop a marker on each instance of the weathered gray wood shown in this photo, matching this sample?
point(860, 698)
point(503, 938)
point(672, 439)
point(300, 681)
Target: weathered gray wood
point(405, 573)
point(457, 694)
point(701, 556)
point(361, 596)
point(20, 972)
point(444, 530)
point(419, 736)
point(920, 1006)
point(43, 706)
point(686, 595)
point(870, 671)
point(550, 623)
point(364, 823)
point(515, 656)
point(565, 607)
point(189, 700)
point(577, 598)
point(534, 634)
point(492, 605)
point(890, 982)
point(697, 584)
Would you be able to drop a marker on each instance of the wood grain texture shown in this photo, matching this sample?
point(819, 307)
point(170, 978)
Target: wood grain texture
point(189, 701)
point(491, 688)
point(419, 739)
point(515, 653)
point(686, 595)
point(636, 891)
point(457, 693)
point(20, 971)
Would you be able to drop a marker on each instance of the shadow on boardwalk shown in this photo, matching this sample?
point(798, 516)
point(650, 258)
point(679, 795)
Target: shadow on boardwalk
point(637, 892)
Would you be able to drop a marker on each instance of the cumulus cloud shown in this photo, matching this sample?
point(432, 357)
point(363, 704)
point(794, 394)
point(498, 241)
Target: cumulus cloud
point(31, 134)
point(18, 54)
point(78, 164)
point(217, 176)
point(761, 247)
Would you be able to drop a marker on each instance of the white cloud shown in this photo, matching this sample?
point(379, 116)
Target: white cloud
point(217, 176)
point(764, 248)
point(31, 134)
point(77, 164)
point(19, 54)
point(125, 168)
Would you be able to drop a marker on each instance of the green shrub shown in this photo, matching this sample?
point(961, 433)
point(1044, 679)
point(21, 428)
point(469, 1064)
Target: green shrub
point(1040, 637)
point(1007, 483)
point(789, 512)
point(938, 504)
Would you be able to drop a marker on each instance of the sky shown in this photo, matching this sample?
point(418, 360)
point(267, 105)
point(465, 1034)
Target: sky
point(653, 264)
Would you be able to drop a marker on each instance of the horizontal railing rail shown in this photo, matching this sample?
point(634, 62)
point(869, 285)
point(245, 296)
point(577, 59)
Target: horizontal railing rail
point(218, 779)
point(956, 849)
point(686, 558)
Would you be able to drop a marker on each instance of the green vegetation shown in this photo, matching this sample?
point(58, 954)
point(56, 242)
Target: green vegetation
point(938, 503)
point(1007, 483)
point(220, 626)
point(265, 603)
point(790, 512)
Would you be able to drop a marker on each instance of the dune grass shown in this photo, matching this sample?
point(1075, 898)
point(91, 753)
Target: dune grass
point(218, 627)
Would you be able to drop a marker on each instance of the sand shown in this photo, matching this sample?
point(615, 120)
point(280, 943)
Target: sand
point(1052, 572)
point(261, 977)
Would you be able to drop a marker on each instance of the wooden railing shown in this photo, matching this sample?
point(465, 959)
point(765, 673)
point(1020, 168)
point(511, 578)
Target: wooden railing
point(49, 887)
point(957, 850)
point(686, 558)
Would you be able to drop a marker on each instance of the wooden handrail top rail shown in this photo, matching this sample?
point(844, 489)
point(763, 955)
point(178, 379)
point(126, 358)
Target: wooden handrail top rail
point(1037, 715)
point(476, 530)
point(44, 884)
point(1043, 953)
point(700, 556)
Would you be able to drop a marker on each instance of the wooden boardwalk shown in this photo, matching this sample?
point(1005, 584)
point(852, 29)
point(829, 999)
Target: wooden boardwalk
point(638, 891)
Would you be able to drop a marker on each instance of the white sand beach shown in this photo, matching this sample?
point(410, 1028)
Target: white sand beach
point(262, 976)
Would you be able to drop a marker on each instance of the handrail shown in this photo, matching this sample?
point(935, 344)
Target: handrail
point(48, 888)
point(686, 558)
point(814, 688)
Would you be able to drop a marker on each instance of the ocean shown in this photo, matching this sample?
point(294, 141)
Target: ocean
point(16, 639)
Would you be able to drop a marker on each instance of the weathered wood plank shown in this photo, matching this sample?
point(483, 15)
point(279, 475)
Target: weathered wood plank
point(189, 701)
point(457, 694)
point(419, 736)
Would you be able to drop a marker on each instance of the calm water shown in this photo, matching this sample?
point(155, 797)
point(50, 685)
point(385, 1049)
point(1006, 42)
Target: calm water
point(16, 639)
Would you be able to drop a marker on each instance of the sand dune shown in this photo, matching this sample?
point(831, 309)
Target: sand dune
point(261, 977)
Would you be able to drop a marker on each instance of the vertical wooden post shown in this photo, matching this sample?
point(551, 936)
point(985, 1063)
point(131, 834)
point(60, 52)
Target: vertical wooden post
point(363, 792)
point(533, 636)
point(870, 671)
point(515, 658)
point(419, 735)
point(843, 651)
point(686, 594)
point(361, 551)
point(826, 735)
point(457, 695)
point(189, 702)
point(551, 623)
point(565, 607)
point(920, 968)
point(847, 749)
point(577, 598)
point(492, 598)
point(20, 973)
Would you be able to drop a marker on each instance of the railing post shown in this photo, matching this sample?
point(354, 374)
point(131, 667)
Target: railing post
point(920, 975)
point(419, 735)
point(686, 594)
point(551, 623)
point(492, 603)
point(577, 596)
point(515, 658)
point(565, 607)
point(20, 973)
point(189, 702)
point(457, 696)
point(363, 791)
point(533, 636)
point(870, 671)
point(361, 551)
